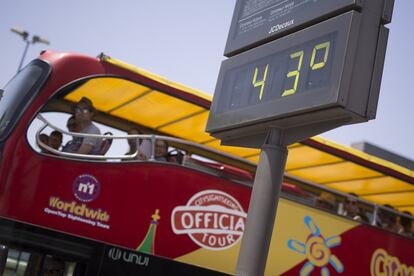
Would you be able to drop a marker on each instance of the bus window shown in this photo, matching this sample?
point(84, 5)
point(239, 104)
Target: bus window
point(18, 94)
point(22, 263)
point(17, 263)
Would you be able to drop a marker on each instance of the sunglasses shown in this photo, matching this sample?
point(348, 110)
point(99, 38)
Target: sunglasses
point(82, 110)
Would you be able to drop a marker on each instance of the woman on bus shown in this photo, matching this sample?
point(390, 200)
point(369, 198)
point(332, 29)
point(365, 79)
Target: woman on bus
point(143, 146)
point(84, 111)
point(161, 150)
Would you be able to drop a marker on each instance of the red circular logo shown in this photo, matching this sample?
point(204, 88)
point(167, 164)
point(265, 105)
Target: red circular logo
point(213, 220)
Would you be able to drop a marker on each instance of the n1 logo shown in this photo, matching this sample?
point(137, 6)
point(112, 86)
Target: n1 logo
point(86, 187)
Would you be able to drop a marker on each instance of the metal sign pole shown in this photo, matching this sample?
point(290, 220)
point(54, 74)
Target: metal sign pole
point(263, 205)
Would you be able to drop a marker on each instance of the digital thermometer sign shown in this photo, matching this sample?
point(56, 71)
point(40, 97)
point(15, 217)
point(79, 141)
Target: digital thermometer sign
point(332, 69)
point(289, 72)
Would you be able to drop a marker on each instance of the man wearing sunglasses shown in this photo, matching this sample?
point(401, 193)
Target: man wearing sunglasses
point(84, 112)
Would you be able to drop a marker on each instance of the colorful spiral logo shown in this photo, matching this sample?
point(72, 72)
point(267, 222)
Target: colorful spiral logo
point(317, 250)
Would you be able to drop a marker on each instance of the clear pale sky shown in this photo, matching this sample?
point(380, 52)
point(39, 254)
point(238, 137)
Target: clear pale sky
point(183, 40)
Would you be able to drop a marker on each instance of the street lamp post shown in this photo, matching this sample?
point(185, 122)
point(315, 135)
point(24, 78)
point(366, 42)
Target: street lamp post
point(25, 35)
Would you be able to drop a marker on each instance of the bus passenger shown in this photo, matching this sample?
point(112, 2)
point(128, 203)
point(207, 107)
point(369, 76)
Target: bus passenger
point(352, 210)
point(388, 219)
point(176, 156)
point(161, 153)
point(73, 145)
point(326, 201)
point(406, 224)
point(143, 146)
point(55, 139)
point(84, 112)
point(161, 150)
point(44, 138)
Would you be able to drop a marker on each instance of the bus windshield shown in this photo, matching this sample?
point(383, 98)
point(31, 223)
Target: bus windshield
point(19, 92)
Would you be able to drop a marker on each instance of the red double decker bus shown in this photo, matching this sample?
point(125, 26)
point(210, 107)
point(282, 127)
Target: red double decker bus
point(178, 205)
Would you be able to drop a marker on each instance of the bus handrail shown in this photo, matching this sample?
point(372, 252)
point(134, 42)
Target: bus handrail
point(151, 137)
point(77, 155)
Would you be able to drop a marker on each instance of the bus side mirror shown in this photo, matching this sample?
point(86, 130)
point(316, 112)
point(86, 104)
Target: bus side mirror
point(3, 258)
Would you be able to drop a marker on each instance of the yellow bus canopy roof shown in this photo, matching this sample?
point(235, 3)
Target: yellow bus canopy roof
point(315, 160)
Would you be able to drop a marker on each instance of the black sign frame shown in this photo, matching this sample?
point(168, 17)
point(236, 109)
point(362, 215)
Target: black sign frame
point(276, 18)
